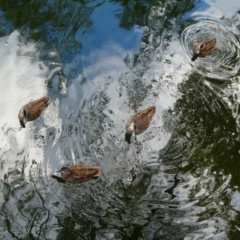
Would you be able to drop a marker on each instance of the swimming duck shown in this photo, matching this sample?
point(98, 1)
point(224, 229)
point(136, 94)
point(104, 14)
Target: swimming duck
point(204, 48)
point(139, 122)
point(33, 110)
point(79, 173)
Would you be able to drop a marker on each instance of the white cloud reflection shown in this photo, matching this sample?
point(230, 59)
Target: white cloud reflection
point(105, 62)
point(20, 82)
point(215, 8)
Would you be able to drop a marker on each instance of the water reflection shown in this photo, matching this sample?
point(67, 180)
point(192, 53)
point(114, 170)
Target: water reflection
point(213, 9)
point(179, 180)
point(224, 61)
point(21, 81)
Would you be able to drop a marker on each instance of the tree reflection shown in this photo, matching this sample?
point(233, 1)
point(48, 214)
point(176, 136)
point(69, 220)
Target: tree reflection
point(65, 22)
point(61, 23)
point(70, 212)
point(206, 133)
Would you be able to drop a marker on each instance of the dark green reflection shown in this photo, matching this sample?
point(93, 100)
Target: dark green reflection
point(204, 127)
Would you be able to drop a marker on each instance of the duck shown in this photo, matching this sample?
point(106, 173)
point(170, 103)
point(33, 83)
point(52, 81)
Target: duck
point(139, 122)
point(204, 48)
point(33, 110)
point(79, 173)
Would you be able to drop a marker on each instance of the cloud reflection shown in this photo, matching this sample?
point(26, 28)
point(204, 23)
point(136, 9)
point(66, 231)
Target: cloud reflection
point(20, 83)
point(214, 9)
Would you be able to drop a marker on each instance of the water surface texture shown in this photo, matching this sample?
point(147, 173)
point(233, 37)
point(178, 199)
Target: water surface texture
point(100, 62)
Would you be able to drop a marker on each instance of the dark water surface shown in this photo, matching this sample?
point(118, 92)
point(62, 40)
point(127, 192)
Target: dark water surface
point(100, 62)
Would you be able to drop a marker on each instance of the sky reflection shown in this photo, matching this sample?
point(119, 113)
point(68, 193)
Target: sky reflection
point(169, 184)
point(21, 81)
point(213, 9)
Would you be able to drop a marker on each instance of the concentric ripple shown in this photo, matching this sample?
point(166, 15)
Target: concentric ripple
point(224, 61)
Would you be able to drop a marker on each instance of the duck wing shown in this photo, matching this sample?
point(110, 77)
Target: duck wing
point(143, 119)
point(35, 108)
point(83, 173)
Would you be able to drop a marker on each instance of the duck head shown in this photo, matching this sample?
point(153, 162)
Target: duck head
point(23, 116)
point(130, 128)
point(64, 171)
point(130, 131)
point(204, 48)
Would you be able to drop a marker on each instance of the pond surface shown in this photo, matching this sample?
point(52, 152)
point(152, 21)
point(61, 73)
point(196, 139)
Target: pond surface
point(100, 62)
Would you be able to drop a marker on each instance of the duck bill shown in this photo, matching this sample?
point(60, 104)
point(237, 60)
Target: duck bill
point(23, 122)
point(128, 137)
point(195, 56)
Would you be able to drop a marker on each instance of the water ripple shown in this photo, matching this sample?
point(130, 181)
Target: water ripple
point(224, 61)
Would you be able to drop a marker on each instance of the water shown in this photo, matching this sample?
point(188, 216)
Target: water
point(100, 62)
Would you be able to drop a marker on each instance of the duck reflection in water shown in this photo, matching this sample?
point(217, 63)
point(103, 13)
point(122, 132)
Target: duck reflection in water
point(78, 173)
point(204, 48)
point(139, 122)
point(33, 110)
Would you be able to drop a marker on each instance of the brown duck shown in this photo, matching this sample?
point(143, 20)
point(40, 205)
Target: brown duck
point(204, 48)
point(139, 122)
point(33, 110)
point(79, 173)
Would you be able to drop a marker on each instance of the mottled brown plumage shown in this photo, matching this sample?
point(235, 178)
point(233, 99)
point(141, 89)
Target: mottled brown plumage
point(79, 173)
point(204, 48)
point(33, 110)
point(140, 121)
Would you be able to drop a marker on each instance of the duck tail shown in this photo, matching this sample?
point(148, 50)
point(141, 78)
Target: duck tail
point(98, 172)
